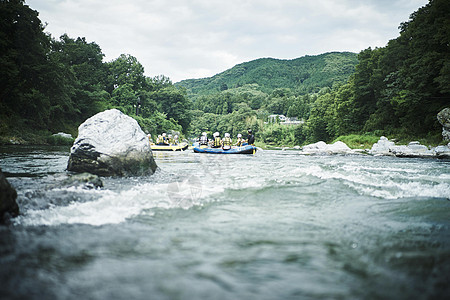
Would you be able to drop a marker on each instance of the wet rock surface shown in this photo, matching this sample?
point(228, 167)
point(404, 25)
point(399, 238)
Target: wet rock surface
point(111, 144)
point(8, 195)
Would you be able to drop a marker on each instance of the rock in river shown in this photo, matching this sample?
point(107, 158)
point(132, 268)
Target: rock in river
point(323, 148)
point(413, 149)
point(111, 144)
point(8, 195)
point(444, 118)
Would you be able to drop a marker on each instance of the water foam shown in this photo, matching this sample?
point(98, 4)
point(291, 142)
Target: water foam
point(387, 182)
point(116, 207)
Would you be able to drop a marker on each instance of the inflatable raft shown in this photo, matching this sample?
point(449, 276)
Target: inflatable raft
point(179, 147)
point(247, 149)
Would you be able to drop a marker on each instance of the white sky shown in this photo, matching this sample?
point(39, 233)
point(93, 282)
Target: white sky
point(185, 39)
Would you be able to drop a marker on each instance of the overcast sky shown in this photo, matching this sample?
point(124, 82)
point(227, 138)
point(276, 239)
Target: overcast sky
point(185, 39)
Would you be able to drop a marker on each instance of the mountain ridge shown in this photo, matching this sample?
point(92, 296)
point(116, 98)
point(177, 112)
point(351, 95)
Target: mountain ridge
point(305, 74)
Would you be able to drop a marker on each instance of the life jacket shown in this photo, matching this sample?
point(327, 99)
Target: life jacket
point(239, 142)
point(158, 141)
point(203, 140)
point(227, 141)
point(251, 139)
point(217, 142)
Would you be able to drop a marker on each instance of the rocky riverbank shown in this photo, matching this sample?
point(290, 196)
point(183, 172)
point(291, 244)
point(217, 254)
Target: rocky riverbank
point(384, 147)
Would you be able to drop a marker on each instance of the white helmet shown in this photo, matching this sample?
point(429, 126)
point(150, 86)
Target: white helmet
point(227, 134)
point(204, 133)
point(216, 134)
point(239, 135)
point(164, 134)
point(170, 135)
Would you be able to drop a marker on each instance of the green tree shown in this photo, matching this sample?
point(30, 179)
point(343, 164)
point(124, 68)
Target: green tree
point(174, 104)
point(23, 66)
point(82, 71)
point(126, 69)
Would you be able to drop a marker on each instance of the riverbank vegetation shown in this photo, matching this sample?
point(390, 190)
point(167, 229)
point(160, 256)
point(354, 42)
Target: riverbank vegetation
point(51, 85)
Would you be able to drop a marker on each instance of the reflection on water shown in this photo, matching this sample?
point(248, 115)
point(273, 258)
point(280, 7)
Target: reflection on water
point(275, 225)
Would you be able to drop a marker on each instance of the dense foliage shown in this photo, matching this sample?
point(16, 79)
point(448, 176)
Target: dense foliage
point(396, 90)
point(49, 85)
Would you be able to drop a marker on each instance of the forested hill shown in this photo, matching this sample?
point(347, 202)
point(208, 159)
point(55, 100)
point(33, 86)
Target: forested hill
point(306, 74)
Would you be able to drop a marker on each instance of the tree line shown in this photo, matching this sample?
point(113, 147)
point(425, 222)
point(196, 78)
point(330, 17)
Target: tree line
point(49, 85)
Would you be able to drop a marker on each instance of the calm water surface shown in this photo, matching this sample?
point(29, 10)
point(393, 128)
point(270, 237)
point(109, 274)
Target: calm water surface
point(276, 225)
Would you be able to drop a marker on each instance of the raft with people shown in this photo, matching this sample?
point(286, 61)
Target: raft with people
point(244, 149)
point(225, 145)
point(170, 147)
point(167, 143)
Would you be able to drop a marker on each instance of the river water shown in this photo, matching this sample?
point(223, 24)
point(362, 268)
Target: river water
point(275, 225)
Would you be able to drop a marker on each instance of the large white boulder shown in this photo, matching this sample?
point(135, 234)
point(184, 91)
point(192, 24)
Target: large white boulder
point(413, 149)
point(382, 147)
point(442, 151)
point(324, 148)
point(316, 147)
point(339, 147)
point(111, 144)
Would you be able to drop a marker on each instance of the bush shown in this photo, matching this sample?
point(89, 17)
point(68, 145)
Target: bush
point(356, 141)
point(276, 134)
point(58, 140)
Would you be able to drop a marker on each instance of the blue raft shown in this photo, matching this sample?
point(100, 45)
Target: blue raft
point(247, 149)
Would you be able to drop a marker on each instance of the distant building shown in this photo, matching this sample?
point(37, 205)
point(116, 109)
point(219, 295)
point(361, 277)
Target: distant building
point(274, 118)
point(283, 120)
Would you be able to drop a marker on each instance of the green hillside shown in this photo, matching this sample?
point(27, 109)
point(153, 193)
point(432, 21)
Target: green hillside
point(304, 75)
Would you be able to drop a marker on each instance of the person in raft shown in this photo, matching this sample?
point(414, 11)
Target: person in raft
point(250, 138)
point(203, 139)
point(239, 140)
point(165, 139)
point(159, 140)
point(217, 142)
point(226, 142)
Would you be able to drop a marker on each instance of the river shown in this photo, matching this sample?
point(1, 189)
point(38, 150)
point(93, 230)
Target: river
point(274, 225)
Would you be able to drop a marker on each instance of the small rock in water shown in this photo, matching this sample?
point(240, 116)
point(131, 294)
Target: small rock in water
point(84, 179)
point(64, 135)
point(8, 195)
